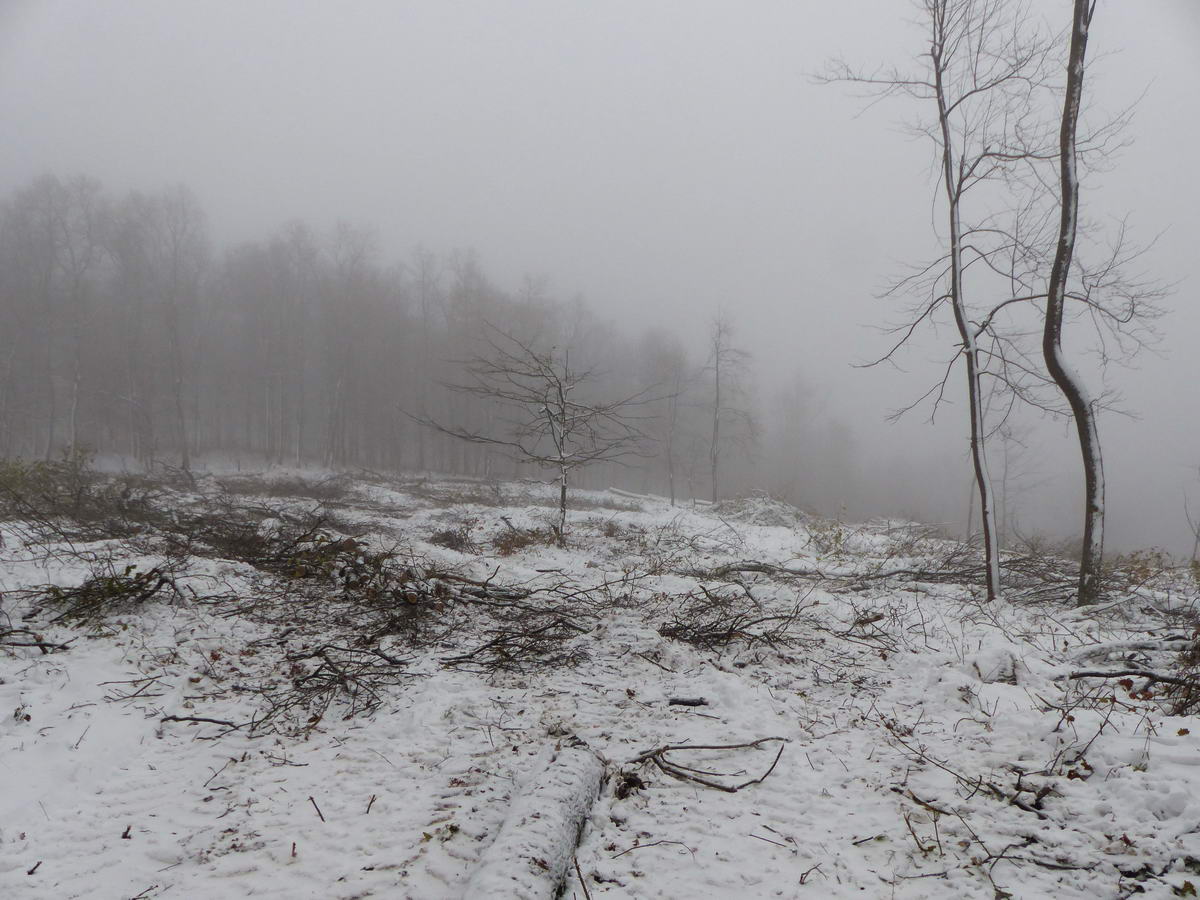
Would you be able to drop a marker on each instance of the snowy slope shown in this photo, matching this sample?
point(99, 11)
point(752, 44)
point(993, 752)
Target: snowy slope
point(932, 746)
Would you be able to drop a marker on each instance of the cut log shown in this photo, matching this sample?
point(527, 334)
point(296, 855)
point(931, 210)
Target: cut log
point(532, 853)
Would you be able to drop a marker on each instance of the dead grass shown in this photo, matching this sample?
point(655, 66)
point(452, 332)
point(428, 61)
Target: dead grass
point(514, 540)
point(457, 537)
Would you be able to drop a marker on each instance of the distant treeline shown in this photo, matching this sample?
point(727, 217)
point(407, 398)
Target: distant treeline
point(125, 331)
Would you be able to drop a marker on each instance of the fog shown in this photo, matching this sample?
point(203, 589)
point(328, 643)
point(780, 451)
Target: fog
point(661, 161)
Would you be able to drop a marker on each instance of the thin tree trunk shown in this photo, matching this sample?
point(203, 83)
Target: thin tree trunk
point(562, 506)
point(76, 362)
point(73, 422)
point(52, 411)
point(185, 460)
point(1064, 376)
point(671, 469)
point(714, 452)
point(331, 451)
point(971, 508)
point(974, 394)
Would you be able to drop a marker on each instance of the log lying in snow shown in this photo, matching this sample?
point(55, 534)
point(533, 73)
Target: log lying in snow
point(531, 854)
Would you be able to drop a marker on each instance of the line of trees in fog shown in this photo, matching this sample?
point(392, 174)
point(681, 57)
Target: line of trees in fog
point(128, 333)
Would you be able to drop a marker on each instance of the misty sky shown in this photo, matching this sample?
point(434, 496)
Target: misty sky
point(661, 159)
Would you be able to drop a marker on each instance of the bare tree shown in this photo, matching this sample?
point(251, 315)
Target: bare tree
point(426, 283)
point(731, 419)
point(1052, 258)
point(352, 250)
point(183, 247)
point(664, 367)
point(981, 77)
point(81, 220)
point(544, 414)
point(1068, 381)
point(32, 245)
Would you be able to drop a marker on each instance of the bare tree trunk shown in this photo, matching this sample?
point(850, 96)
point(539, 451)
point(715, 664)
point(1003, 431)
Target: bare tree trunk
point(73, 421)
point(1064, 376)
point(76, 359)
point(671, 467)
point(714, 450)
point(51, 406)
point(5, 391)
point(953, 187)
point(971, 508)
point(562, 506)
point(333, 449)
point(558, 432)
point(185, 460)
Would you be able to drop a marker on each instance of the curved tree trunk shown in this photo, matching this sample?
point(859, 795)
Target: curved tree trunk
point(1063, 374)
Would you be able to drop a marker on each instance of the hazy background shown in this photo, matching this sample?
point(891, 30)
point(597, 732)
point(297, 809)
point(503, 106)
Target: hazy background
point(660, 159)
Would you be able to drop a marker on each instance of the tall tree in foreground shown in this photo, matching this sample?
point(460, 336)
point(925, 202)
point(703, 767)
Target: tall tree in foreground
point(980, 78)
point(1064, 375)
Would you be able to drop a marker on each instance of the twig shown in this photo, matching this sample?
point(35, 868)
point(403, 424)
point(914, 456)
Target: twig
point(317, 808)
point(224, 722)
point(654, 663)
point(759, 837)
point(218, 772)
point(654, 844)
point(924, 850)
point(583, 884)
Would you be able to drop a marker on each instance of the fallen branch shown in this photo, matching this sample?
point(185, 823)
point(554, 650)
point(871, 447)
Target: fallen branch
point(1138, 673)
point(23, 637)
point(658, 756)
point(654, 844)
point(224, 722)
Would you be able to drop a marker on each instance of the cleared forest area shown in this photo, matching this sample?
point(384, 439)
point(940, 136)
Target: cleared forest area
point(305, 684)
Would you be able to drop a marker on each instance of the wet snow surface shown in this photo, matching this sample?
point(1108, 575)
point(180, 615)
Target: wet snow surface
point(933, 748)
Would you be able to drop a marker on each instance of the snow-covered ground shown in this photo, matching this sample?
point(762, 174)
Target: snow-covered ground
point(923, 744)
